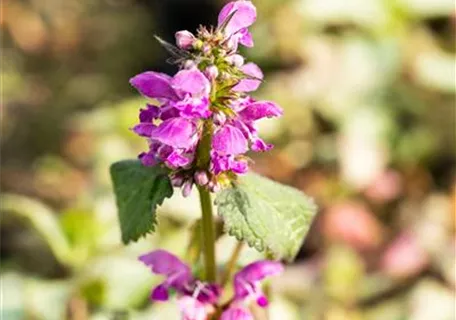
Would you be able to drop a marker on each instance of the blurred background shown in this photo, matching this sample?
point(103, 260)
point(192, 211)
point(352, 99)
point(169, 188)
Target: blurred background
point(368, 88)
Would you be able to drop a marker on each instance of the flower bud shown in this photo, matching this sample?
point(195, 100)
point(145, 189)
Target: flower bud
point(177, 180)
point(201, 178)
point(198, 44)
point(211, 72)
point(185, 39)
point(235, 59)
point(189, 64)
point(206, 48)
point(213, 186)
point(187, 188)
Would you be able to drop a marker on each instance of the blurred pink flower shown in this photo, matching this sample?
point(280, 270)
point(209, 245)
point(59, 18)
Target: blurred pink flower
point(404, 257)
point(353, 223)
point(388, 186)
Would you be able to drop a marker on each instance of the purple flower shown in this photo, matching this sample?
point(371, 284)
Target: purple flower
point(192, 82)
point(193, 309)
point(178, 158)
point(246, 281)
point(221, 164)
point(144, 129)
point(247, 288)
point(178, 277)
point(178, 274)
point(229, 140)
point(249, 84)
point(193, 89)
point(175, 132)
point(198, 299)
point(154, 85)
point(237, 313)
point(236, 29)
point(188, 92)
point(259, 110)
point(150, 113)
point(205, 98)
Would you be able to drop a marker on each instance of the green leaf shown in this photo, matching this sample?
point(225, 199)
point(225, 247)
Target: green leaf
point(267, 215)
point(138, 190)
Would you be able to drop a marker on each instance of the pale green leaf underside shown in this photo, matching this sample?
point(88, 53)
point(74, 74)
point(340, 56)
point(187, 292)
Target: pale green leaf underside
point(139, 190)
point(266, 215)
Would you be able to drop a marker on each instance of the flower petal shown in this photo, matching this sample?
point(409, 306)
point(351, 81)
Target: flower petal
point(246, 39)
point(175, 132)
point(160, 293)
point(177, 160)
point(258, 145)
point(209, 293)
point(192, 309)
point(165, 263)
point(144, 129)
point(153, 85)
point(192, 82)
point(259, 270)
point(229, 140)
point(246, 281)
point(237, 313)
point(244, 17)
point(261, 109)
point(150, 113)
point(147, 159)
point(178, 274)
point(248, 85)
point(194, 107)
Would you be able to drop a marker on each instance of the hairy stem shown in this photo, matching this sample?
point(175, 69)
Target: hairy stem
point(208, 235)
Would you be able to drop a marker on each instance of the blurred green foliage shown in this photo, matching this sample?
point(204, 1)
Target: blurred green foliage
point(368, 88)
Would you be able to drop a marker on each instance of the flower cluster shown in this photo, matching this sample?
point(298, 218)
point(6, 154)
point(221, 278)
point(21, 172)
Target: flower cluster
point(202, 120)
point(198, 300)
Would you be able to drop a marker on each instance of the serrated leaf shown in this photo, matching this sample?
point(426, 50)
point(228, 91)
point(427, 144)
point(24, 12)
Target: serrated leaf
point(139, 190)
point(267, 215)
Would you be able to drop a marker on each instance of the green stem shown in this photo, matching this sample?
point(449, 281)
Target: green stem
point(208, 235)
point(231, 265)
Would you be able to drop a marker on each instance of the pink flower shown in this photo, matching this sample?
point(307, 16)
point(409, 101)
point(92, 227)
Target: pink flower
point(178, 277)
point(247, 288)
point(154, 85)
point(404, 257)
point(247, 281)
point(205, 98)
point(352, 223)
point(236, 29)
point(250, 84)
point(197, 299)
point(229, 140)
